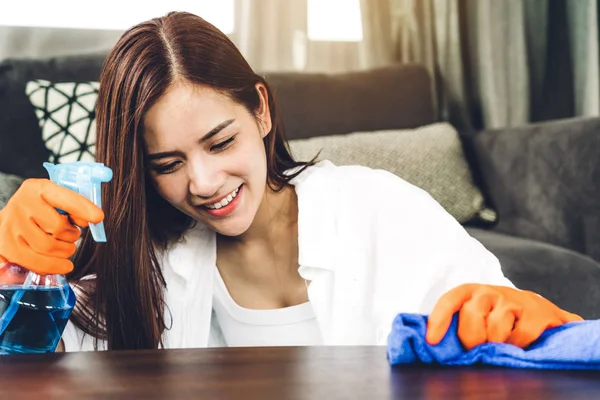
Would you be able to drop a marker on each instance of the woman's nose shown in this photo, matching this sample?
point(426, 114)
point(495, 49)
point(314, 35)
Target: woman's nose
point(205, 180)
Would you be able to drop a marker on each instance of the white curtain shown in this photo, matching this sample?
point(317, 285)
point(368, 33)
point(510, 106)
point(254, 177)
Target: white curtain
point(499, 63)
point(273, 36)
point(377, 47)
point(583, 22)
point(271, 33)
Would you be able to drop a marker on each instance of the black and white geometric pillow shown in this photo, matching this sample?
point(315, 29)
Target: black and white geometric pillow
point(67, 118)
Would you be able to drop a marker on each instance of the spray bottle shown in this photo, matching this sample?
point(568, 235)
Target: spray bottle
point(34, 309)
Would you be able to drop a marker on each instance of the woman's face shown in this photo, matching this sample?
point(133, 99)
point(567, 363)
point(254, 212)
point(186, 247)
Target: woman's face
point(206, 156)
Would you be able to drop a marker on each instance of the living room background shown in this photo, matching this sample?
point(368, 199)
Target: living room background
point(374, 83)
point(495, 63)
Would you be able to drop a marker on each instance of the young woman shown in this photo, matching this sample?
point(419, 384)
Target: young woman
point(217, 236)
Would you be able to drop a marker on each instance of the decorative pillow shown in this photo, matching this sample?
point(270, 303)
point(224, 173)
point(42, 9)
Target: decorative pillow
point(430, 157)
point(544, 180)
point(8, 186)
point(66, 114)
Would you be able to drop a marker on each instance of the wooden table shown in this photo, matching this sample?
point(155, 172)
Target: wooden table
point(273, 373)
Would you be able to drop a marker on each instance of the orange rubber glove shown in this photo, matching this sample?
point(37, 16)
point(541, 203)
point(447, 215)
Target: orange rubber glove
point(494, 314)
point(34, 235)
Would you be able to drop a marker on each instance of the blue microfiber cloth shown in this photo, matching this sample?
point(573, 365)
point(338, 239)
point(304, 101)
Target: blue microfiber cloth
point(575, 345)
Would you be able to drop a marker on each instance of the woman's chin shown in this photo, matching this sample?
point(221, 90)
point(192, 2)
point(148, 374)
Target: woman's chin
point(230, 228)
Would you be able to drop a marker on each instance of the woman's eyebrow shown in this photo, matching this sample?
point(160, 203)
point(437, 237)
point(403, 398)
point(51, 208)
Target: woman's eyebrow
point(217, 129)
point(210, 134)
point(164, 154)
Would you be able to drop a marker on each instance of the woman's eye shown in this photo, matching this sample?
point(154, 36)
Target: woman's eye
point(222, 145)
point(167, 168)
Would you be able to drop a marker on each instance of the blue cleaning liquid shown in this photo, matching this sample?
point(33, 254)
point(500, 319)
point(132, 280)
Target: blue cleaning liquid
point(39, 321)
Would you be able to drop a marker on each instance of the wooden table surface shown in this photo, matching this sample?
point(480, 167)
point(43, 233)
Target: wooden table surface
point(273, 373)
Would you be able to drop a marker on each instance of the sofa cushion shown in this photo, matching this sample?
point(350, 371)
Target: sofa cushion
point(316, 104)
point(67, 117)
point(544, 181)
point(569, 279)
point(430, 157)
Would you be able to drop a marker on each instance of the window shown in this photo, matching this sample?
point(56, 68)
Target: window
point(334, 20)
point(110, 14)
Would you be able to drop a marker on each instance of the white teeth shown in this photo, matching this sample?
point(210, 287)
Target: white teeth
point(225, 201)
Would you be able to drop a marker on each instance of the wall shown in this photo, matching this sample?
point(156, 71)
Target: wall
point(26, 42)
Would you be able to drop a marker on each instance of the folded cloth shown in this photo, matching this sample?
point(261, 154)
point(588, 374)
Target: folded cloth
point(575, 345)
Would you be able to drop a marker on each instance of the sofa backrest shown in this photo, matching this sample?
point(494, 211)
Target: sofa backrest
point(393, 97)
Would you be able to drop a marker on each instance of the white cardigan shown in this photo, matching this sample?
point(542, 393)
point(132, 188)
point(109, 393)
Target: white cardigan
point(371, 244)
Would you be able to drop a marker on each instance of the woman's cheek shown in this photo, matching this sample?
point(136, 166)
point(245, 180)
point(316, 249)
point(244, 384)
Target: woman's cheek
point(172, 189)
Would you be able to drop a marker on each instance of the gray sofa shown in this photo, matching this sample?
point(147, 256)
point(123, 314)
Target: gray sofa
point(543, 180)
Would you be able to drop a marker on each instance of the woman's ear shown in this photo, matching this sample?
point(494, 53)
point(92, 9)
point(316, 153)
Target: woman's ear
point(264, 113)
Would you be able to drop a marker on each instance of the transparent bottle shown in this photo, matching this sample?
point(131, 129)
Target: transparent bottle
point(34, 309)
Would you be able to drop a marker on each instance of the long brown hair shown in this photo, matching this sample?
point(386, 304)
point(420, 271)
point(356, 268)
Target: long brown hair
point(124, 304)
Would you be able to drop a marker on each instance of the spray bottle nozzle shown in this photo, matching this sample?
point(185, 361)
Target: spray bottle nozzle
point(84, 178)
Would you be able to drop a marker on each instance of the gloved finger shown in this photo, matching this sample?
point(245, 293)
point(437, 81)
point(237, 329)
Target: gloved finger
point(70, 234)
point(80, 209)
point(79, 221)
point(472, 320)
point(45, 244)
point(42, 264)
point(566, 316)
point(441, 317)
point(501, 320)
point(527, 329)
point(50, 220)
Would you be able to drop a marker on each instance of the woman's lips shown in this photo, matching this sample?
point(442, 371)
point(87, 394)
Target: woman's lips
point(226, 210)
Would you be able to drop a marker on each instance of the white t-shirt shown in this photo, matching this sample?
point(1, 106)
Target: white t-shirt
point(289, 326)
point(371, 244)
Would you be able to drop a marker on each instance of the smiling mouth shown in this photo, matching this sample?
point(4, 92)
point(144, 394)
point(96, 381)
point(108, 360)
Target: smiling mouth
point(224, 202)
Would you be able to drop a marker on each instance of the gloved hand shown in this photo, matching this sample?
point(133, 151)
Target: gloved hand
point(34, 235)
point(494, 314)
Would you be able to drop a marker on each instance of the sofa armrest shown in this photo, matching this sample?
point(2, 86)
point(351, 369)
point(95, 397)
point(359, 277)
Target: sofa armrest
point(8, 186)
point(544, 181)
